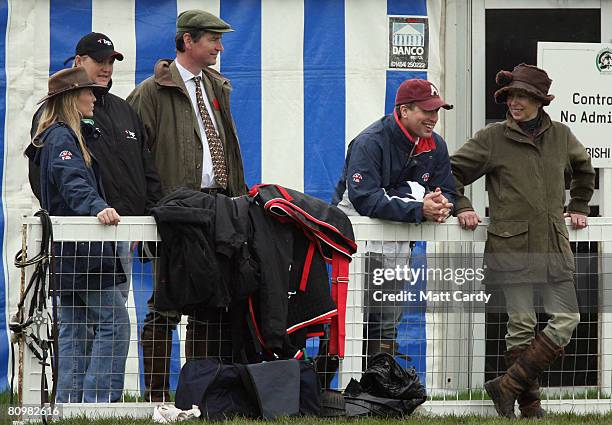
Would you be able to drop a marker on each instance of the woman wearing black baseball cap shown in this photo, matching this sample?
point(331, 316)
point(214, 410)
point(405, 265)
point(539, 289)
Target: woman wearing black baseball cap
point(87, 271)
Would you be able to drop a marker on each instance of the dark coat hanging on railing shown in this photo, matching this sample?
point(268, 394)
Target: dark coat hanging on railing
point(219, 251)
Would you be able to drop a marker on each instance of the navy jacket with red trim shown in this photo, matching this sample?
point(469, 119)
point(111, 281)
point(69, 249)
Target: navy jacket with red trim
point(71, 188)
point(381, 179)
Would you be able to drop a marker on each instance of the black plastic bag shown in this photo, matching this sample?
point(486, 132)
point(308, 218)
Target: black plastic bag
point(386, 390)
point(385, 378)
point(360, 403)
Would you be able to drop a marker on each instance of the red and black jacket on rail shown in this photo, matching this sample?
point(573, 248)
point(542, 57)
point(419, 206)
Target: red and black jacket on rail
point(326, 238)
point(268, 252)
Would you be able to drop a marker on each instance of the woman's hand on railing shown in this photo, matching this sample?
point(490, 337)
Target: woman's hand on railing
point(108, 216)
point(579, 221)
point(468, 220)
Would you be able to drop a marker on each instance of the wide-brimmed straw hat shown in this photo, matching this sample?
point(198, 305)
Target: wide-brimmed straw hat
point(66, 80)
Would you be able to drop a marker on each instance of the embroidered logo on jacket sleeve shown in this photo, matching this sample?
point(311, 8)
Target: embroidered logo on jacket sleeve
point(65, 155)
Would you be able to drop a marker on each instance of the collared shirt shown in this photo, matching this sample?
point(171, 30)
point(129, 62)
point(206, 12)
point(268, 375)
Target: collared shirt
point(420, 144)
point(208, 175)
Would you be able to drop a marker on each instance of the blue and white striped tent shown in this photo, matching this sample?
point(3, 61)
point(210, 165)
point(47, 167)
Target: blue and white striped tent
point(308, 75)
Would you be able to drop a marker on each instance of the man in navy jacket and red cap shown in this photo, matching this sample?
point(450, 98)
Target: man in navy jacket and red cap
point(397, 169)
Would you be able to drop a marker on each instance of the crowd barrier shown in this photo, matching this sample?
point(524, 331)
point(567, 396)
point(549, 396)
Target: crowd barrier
point(449, 327)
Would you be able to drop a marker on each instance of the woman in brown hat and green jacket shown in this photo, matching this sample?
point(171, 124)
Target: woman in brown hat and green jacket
point(524, 160)
point(94, 323)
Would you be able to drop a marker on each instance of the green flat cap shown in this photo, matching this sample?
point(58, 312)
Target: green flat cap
point(200, 20)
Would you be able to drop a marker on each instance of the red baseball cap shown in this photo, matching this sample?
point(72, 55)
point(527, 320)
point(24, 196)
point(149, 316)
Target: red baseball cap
point(422, 93)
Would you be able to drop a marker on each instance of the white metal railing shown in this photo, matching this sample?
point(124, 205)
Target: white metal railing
point(455, 342)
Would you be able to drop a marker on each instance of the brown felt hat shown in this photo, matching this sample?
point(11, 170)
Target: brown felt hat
point(68, 79)
point(528, 78)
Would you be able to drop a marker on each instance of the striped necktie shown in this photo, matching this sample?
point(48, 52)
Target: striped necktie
point(214, 142)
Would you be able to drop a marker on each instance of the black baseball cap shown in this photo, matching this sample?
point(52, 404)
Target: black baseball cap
point(96, 45)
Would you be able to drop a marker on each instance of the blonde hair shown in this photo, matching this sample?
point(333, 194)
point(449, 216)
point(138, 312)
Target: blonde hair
point(63, 108)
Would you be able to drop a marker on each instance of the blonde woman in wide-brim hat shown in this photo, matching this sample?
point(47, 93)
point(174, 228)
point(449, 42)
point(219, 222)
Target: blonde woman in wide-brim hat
point(93, 318)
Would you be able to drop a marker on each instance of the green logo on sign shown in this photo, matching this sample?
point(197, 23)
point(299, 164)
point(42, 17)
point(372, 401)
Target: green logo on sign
point(603, 61)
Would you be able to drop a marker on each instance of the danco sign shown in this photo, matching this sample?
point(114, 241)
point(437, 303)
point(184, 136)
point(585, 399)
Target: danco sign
point(582, 85)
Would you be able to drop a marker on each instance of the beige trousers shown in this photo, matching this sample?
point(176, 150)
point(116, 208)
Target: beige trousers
point(559, 302)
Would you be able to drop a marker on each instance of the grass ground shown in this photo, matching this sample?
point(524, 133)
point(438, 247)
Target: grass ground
point(565, 419)
point(557, 419)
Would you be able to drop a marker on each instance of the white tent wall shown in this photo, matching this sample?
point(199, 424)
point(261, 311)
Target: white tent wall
point(287, 138)
point(27, 68)
point(282, 31)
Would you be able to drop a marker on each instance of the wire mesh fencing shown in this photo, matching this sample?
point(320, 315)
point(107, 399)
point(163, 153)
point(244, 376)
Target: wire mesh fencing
point(415, 291)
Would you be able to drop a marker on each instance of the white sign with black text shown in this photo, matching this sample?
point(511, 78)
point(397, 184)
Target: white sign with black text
point(582, 85)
